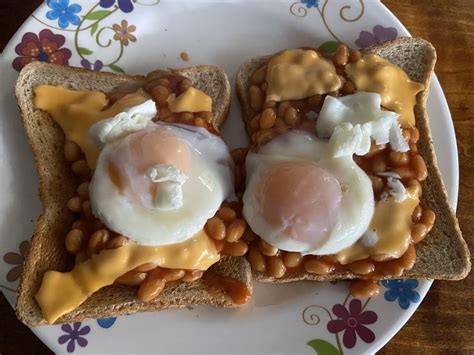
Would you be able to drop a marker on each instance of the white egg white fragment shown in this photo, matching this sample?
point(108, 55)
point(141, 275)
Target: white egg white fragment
point(131, 120)
point(158, 183)
point(300, 198)
point(359, 115)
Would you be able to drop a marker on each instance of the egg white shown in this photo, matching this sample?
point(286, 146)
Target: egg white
point(209, 183)
point(357, 205)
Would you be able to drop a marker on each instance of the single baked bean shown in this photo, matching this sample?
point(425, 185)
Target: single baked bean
point(420, 167)
point(257, 260)
point(216, 228)
point(97, 241)
point(377, 183)
point(145, 267)
point(315, 266)
point(173, 274)
point(267, 249)
point(407, 260)
point(348, 88)
point(150, 288)
point(406, 134)
point(186, 117)
point(227, 214)
point(404, 172)
point(263, 136)
point(282, 106)
point(418, 232)
point(361, 267)
point(416, 215)
point(269, 104)
point(413, 148)
point(428, 219)
point(354, 55)
point(192, 275)
point(74, 204)
point(390, 268)
point(268, 118)
point(160, 94)
point(74, 240)
point(86, 209)
point(291, 116)
point(276, 268)
point(414, 135)
point(80, 167)
point(131, 278)
point(83, 190)
point(235, 230)
point(235, 249)
point(219, 244)
point(416, 184)
point(185, 85)
point(398, 158)
point(259, 75)
point(291, 259)
point(378, 164)
point(256, 98)
point(72, 152)
point(200, 122)
point(342, 55)
point(117, 242)
point(364, 288)
point(238, 155)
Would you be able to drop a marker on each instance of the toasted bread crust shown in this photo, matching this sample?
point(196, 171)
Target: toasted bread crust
point(443, 254)
point(58, 184)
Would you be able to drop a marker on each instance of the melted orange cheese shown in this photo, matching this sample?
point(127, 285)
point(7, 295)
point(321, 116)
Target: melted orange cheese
point(62, 292)
point(192, 100)
point(299, 73)
point(392, 224)
point(76, 111)
point(375, 74)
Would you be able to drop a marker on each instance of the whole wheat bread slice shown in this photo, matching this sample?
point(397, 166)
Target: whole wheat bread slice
point(58, 184)
point(443, 254)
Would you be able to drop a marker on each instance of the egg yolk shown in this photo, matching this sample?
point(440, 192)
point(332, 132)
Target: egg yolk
point(301, 200)
point(138, 152)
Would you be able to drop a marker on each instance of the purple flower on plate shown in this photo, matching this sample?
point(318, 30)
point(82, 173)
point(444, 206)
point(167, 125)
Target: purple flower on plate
point(97, 66)
point(63, 12)
point(74, 334)
point(124, 5)
point(45, 47)
point(352, 322)
point(380, 34)
point(310, 3)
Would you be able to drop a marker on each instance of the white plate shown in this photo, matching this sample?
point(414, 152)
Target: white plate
point(279, 318)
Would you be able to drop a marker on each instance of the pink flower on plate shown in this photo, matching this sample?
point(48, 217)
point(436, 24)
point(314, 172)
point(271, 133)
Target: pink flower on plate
point(352, 322)
point(45, 47)
point(380, 35)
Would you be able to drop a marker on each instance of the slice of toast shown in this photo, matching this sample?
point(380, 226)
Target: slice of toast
point(443, 254)
point(58, 184)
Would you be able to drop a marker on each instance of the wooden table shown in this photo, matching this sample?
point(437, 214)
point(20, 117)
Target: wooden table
point(445, 319)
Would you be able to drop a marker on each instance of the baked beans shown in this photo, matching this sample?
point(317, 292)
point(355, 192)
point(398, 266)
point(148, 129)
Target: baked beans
point(74, 204)
point(316, 266)
point(170, 275)
point(257, 260)
point(364, 288)
point(267, 249)
point(97, 241)
point(268, 118)
point(235, 230)
point(215, 227)
point(150, 288)
point(238, 248)
point(342, 55)
point(131, 278)
point(418, 232)
point(117, 242)
point(256, 98)
point(80, 167)
point(227, 214)
point(361, 267)
point(192, 275)
point(83, 190)
point(276, 268)
point(72, 152)
point(292, 260)
point(74, 241)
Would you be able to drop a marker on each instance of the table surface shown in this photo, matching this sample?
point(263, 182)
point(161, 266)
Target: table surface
point(445, 319)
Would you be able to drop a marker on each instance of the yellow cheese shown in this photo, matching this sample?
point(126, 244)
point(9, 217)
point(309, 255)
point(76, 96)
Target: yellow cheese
point(375, 74)
point(299, 73)
point(62, 292)
point(76, 111)
point(192, 100)
point(392, 224)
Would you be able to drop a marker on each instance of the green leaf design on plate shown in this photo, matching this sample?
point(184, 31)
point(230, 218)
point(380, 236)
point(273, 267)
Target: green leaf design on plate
point(329, 46)
point(116, 68)
point(97, 15)
point(94, 28)
point(322, 347)
point(84, 51)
